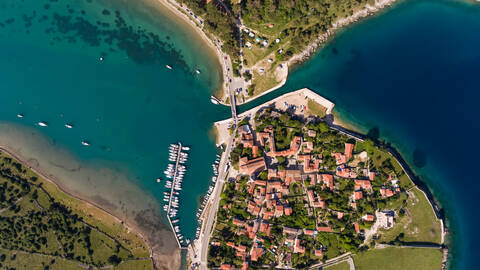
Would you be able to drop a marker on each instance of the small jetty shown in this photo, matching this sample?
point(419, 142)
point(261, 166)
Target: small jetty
point(175, 171)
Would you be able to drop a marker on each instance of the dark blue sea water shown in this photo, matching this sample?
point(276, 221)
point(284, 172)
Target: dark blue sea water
point(413, 72)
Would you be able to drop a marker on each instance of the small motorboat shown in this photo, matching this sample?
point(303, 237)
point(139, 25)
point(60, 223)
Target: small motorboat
point(85, 143)
point(68, 125)
point(159, 180)
point(168, 66)
point(214, 100)
point(197, 71)
point(43, 124)
point(20, 115)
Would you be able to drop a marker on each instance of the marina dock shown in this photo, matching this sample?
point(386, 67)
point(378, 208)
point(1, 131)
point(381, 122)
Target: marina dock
point(171, 193)
point(175, 171)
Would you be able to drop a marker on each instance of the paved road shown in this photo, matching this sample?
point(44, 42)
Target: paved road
point(347, 257)
point(215, 199)
point(208, 222)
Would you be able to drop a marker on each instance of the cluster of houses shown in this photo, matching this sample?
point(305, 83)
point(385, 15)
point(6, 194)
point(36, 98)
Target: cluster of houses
point(268, 196)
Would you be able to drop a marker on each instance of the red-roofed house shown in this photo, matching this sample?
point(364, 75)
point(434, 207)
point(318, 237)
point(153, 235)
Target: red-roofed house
point(368, 217)
point(348, 151)
point(309, 232)
point(318, 253)
point(241, 248)
point(324, 229)
point(226, 267)
point(357, 227)
point(245, 266)
point(250, 166)
point(358, 195)
point(327, 179)
point(386, 192)
point(278, 210)
point(288, 210)
point(297, 248)
point(238, 222)
point(364, 184)
point(256, 252)
point(371, 176)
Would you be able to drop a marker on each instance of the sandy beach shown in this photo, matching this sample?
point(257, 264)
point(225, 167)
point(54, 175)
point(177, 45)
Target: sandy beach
point(159, 258)
point(173, 7)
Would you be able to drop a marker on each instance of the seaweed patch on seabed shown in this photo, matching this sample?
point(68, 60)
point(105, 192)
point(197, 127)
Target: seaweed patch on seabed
point(141, 46)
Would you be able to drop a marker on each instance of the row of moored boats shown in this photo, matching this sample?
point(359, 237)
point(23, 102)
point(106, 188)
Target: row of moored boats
point(209, 193)
point(174, 173)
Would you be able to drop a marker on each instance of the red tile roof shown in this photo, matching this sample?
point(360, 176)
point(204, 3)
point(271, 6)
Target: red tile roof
point(250, 166)
point(364, 184)
point(348, 151)
point(324, 229)
point(357, 227)
point(358, 195)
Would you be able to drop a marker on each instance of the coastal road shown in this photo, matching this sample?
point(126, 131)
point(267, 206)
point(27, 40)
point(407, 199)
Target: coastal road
point(207, 225)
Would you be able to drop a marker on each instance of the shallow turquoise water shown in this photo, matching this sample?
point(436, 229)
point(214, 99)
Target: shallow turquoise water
point(412, 72)
point(129, 106)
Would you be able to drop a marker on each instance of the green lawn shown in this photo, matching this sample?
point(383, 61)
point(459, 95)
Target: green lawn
point(399, 259)
point(419, 224)
point(263, 82)
point(316, 109)
point(339, 266)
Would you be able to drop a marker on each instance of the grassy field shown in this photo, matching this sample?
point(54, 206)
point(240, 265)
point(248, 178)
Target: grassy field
point(398, 259)
point(316, 109)
point(263, 82)
point(52, 228)
point(339, 266)
point(419, 224)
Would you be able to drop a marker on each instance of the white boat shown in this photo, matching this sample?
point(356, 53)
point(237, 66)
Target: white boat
point(214, 101)
point(85, 143)
point(197, 71)
point(158, 180)
point(168, 66)
point(68, 125)
point(20, 115)
point(186, 148)
point(43, 124)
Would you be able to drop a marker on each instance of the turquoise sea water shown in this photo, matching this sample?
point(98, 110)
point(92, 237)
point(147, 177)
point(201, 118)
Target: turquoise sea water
point(412, 72)
point(129, 106)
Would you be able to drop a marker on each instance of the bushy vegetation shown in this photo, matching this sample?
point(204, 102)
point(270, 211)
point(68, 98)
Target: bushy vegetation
point(33, 221)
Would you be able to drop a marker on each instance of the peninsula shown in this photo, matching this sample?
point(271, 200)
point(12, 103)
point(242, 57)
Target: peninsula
point(256, 42)
point(44, 228)
point(300, 191)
